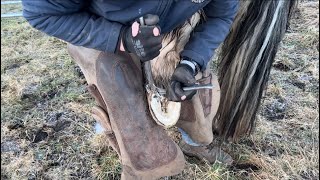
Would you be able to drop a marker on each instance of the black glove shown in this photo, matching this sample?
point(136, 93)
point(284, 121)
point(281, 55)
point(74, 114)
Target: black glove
point(143, 41)
point(183, 76)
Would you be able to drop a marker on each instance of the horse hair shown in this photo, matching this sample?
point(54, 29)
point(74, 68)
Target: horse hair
point(172, 45)
point(245, 62)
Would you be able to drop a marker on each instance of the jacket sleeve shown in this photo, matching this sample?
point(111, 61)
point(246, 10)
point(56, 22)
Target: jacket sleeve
point(68, 20)
point(208, 35)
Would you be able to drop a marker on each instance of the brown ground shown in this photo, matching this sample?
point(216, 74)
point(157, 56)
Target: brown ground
point(47, 131)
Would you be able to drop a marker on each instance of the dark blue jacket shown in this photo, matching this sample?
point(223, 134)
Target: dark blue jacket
point(97, 23)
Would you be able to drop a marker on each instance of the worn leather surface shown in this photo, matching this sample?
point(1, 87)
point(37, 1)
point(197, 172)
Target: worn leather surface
point(197, 114)
point(205, 95)
point(187, 111)
point(93, 90)
point(115, 80)
point(146, 143)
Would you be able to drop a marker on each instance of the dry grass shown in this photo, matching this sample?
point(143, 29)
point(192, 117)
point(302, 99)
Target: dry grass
point(47, 131)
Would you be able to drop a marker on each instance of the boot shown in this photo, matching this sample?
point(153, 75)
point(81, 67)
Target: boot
point(145, 149)
point(212, 155)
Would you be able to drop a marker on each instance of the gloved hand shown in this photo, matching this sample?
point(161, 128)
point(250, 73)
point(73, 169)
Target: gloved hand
point(183, 76)
point(143, 41)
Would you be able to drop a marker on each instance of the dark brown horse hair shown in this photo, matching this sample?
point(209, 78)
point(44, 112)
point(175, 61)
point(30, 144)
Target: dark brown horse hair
point(245, 62)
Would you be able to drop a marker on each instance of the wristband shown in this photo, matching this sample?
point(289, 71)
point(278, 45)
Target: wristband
point(194, 65)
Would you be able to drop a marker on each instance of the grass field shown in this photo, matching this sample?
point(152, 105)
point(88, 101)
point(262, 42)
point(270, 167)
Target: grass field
point(47, 131)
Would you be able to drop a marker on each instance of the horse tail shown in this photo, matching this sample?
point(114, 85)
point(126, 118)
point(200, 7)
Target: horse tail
point(245, 62)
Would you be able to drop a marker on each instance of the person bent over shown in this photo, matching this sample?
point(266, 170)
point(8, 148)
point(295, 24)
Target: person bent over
point(109, 44)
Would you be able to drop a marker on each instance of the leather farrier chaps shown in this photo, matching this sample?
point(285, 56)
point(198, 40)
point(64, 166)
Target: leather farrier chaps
point(115, 80)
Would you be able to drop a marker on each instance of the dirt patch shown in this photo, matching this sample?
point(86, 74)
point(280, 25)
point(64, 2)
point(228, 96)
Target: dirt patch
point(10, 146)
point(275, 109)
point(246, 167)
point(15, 125)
